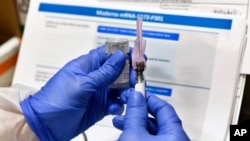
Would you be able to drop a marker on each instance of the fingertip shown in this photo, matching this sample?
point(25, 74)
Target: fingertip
point(109, 71)
point(99, 53)
point(125, 94)
point(118, 57)
point(136, 112)
point(136, 99)
point(116, 107)
point(116, 62)
point(162, 110)
point(118, 122)
point(132, 77)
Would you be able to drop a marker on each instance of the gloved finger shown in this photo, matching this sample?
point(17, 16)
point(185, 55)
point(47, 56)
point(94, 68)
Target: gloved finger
point(115, 93)
point(93, 60)
point(124, 94)
point(136, 112)
point(118, 122)
point(152, 126)
point(165, 114)
point(98, 54)
point(115, 107)
point(108, 72)
point(132, 77)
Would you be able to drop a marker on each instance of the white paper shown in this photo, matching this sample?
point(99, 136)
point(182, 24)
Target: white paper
point(246, 60)
point(192, 65)
point(228, 7)
point(187, 1)
point(213, 6)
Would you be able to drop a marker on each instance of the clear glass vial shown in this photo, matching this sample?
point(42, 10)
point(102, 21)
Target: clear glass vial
point(112, 45)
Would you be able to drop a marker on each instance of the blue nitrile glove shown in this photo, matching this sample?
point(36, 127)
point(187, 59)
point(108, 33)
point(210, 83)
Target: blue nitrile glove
point(137, 126)
point(76, 97)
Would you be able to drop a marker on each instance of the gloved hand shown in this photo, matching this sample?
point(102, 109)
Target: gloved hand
point(76, 97)
point(137, 126)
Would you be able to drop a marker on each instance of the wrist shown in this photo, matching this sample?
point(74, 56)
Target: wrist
point(35, 123)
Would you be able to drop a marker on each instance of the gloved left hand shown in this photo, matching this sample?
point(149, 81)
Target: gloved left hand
point(76, 97)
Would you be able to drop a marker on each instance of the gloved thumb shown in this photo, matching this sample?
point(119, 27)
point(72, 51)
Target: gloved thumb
point(136, 112)
point(109, 71)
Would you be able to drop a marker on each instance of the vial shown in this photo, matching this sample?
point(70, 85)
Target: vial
point(112, 45)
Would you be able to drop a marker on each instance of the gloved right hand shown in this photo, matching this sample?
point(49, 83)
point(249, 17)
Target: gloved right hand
point(137, 126)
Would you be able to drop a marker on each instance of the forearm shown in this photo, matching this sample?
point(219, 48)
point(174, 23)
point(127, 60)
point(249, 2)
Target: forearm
point(13, 125)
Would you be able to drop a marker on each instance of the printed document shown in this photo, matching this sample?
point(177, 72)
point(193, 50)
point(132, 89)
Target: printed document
point(226, 7)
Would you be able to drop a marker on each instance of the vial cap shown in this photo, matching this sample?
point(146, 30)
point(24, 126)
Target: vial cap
point(112, 45)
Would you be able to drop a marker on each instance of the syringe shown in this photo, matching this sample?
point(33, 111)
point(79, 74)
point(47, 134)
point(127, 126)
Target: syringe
point(138, 60)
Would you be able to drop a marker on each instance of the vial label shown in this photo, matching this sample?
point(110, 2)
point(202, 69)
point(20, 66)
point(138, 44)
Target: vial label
point(112, 45)
point(123, 80)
